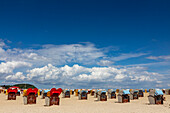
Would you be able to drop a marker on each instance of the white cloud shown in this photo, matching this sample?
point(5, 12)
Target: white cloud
point(85, 53)
point(18, 76)
point(8, 67)
point(167, 57)
point(105, 63)
point(2, 44)
point(127, 56)
point(49, 65)
point(83, 76)
point(2, 51)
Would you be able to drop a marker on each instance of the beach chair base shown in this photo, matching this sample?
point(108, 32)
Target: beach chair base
point(11, 96)
point(31, 99)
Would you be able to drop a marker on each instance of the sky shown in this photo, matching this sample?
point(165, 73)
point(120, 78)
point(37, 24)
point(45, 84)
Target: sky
point(85, 44)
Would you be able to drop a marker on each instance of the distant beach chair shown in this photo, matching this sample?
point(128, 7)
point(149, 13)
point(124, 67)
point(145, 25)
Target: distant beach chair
point(82, 94)
point(102, 95)
point(134, 94)
point(92, 92)
point(4, 91)
point(29, 96)
point(12, 93)
point(96, 93)
point(18, 93)
point(117, 90)
point(44, 93)
point(155, 96)
point(111, 93)
point(123, 96)
point(140, 93)
point(77, 92)
point(167, 91)
point(89, 91)
point(71, 91)
point(52, 97)
point(66, 93)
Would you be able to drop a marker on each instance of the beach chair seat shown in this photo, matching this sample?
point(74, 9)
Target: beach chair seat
point(11, 96)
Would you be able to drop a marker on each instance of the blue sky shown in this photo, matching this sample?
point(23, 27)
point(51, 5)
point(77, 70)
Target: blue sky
point(42, 41)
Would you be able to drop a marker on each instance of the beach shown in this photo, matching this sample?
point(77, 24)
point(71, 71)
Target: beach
point(73, 105)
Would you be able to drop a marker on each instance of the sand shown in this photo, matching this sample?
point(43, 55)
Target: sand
point(73, 105)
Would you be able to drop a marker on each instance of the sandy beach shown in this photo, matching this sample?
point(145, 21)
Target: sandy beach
point(73, 105)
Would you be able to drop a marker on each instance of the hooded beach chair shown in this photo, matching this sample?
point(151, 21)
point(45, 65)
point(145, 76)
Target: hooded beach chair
point(44, 93)
point(11, 93)
point(66, 93)
point(77, 92)
point(18, 93)
point(155, 96)
point(52, 97)
point(72, 92)
point(29, 96)
point(92, 92)
point(140, 93)
point(1, 89)
point(123, 96)
point(96, 93)
point(89, 91)
point(167, 91)
point(111, 93)
point(5, 91)
point(102, 95)
point(117, 90)
point(134, 94)
point(83, 94)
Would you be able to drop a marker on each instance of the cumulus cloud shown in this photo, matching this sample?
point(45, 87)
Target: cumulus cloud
point(51, 65)
point(86, 77)
point(8, 67)
point(85, 53)
point(17, 77)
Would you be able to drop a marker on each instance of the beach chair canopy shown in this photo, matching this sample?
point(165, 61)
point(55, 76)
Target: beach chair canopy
point(10, 90)
point(126, 92)
point(159, 92)
point(55, 91)
point(135, 91)
point(67, 90)
point(103, 91)
point(84, 91)
point(114, 90)
point(30, 90)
